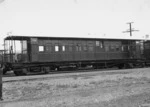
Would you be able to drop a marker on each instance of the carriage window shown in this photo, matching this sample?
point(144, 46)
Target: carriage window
point(48, 48)
point(63, 48)
point(70, 48)
point(99, 43)
point(91, 48)
point(85, 47)
point(112, 48)
point(106, 48)
point(56, 48)
point(41, 48)
point(78, 48)
point(124, 48)
point(117, 48)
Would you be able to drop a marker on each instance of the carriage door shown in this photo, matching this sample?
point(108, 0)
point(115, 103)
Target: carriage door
point(132, 49)
point(139, 50)
point(135, 49)
point(34, 50)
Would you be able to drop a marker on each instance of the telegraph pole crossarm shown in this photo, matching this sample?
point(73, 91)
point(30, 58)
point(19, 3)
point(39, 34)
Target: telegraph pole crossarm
point(130, 30)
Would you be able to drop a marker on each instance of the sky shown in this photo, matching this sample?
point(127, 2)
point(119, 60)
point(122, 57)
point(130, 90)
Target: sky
point(74, 18)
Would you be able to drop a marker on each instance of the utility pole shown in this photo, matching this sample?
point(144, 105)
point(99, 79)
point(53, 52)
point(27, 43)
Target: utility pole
point(1, 74)
point(130, 29)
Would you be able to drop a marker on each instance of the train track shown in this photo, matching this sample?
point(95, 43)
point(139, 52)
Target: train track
point(84, 69)
point(10, 77)
point(11, 73)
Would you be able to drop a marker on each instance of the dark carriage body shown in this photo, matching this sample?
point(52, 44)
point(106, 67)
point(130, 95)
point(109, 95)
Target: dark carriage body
point(53, 52)
point(68, 49)
point(147, 49)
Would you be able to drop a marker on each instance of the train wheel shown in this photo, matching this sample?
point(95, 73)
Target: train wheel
point(17, 72)
point(4, 70)
point(121, 66)
point(24, 71)
point(95, 66)
point(128, 66)
point(20, 72)
point(142, 65)
point(46, 70)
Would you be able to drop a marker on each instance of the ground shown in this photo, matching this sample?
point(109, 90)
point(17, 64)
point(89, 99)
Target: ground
point(115, 88)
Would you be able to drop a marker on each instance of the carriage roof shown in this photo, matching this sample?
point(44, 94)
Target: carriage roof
point(66, 38)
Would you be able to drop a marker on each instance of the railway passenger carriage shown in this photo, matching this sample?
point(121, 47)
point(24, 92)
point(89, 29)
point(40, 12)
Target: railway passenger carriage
point(47, 53)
